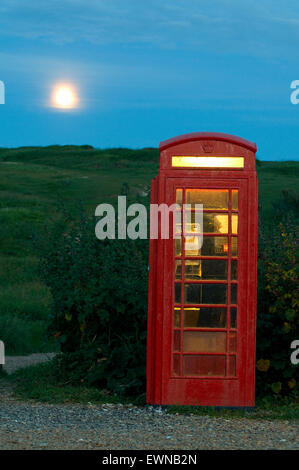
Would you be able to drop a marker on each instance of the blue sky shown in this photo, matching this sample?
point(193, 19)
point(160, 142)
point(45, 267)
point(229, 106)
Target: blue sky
point(147, 70)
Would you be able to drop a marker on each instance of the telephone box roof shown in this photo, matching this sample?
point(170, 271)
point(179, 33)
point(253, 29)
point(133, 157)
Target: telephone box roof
point(181, 139)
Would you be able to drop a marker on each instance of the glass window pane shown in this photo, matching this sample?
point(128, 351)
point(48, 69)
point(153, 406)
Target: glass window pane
point(178, 224)
point(234, 223)
point(215, 223)
point(193, 269)
point(205, 317)
point(192, 246)
point(205, 293)
point(235, 199)
point(234, 273)
point(204, 341)
point(211, 246)
point(210, 198)
point(206, 269)
point(179, 196)
point(233, 295)
point(178, 270)
point(177, 295)
point(176, 340)
point(178, 247)
point(233, 317)
point(193, 222)
point(214, 269)
point(232, 366)
point(177, 317)
point(232, 342)
point(176, 364)
point(204, 365)
point(234, 246)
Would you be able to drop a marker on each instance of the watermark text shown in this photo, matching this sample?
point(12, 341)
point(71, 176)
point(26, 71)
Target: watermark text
point(295, 354)
point(2, 353)
point(295, 94)
point(2, 92)
point(165, 221)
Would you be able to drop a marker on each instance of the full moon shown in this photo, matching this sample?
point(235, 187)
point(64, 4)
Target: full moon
point(64, 96)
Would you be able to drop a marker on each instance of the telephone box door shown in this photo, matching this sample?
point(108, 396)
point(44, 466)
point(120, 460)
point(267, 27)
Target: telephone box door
point(208, 340)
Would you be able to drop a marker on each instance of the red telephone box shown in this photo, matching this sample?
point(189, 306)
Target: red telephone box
point(202, 297)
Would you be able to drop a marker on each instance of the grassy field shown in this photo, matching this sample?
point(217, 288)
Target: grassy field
point(34, 180)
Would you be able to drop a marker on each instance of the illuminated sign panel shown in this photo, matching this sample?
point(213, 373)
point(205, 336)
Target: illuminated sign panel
point(207, 162)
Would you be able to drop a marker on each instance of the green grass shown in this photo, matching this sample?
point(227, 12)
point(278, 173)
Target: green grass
point(273, 178)
point(34, 180)
point(41, 383)
point(283, 409)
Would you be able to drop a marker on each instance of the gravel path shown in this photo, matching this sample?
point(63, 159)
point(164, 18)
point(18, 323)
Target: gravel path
point(38, 426)
point(29, 425)
point(12, 363)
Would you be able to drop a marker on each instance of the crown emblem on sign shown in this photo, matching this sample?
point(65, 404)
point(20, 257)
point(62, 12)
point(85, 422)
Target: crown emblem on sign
point(207, 147)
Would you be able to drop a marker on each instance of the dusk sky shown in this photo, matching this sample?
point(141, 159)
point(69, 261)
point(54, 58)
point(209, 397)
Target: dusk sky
point(145, 71)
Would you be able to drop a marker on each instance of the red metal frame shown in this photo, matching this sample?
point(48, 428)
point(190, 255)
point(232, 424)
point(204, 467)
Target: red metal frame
point(162, 386)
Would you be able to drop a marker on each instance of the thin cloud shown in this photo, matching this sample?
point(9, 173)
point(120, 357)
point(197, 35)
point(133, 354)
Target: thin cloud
point(226, 25)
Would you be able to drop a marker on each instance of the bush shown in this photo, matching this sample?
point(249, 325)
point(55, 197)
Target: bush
point(99, 293)
point(278, 302)
point(21, 335)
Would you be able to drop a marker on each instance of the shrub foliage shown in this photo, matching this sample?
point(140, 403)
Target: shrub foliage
point(278, 300)
point(99, 290)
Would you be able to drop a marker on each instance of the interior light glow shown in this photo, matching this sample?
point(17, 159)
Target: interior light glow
point(207, 162)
